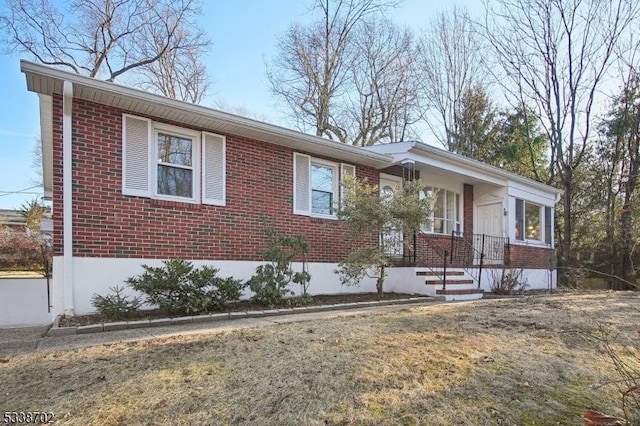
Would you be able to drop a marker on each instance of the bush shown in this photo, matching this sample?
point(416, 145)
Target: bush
point(506, 281)
point(116, 306)
point(179, 288)
point(270, 284)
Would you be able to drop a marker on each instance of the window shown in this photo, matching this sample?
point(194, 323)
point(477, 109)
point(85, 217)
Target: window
point(175, 165)
point(532, 222)
point(322, 185)
point(172, 163)
point(316, 185)
point(446, 211)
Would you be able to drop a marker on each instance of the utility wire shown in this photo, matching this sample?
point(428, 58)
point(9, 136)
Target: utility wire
point(20, 191)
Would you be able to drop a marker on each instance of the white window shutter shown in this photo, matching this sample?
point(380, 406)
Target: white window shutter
point(135, 155)
point(301, 184)
point(345, 170)
point(214, 169)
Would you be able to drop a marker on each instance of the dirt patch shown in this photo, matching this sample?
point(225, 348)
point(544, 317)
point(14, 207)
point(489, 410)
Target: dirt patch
point(244, 306)
point(533, 360)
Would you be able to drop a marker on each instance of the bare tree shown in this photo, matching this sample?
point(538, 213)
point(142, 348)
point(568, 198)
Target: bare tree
point(335, 73)
point(110, 38)
point(450, 66)
point(555, 55)
point(384, 102)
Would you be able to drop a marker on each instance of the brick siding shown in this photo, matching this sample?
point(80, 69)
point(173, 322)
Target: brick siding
point(467, 208)
point(531, 257)
point(109, 224)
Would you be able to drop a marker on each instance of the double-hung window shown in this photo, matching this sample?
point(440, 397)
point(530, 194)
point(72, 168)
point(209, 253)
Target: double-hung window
point(175, 168)
point(172, 163)
point(446, 211)
point(323, 179)
point(533, 222)
point(316, 185)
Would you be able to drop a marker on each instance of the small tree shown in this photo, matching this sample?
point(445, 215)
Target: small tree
point(372, 221)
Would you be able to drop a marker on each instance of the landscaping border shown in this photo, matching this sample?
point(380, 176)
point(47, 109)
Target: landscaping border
point(56, 330)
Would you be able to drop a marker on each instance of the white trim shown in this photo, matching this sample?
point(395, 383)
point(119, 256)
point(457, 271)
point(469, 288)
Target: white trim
point(459, 211)
point(394, 178)
point(203, 140)
point(195, 161)
point(525, 241)
point(450, 161)
point(125, 190)
point(335, 187)
point(67, 196)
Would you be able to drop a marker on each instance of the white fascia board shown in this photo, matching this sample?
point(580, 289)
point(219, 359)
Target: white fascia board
point(458, 169)
point(429, 155)
point(485, 169)
point(46, 80)
point(528, 193)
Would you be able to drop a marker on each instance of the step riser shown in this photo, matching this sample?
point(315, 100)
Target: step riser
point(461, 297)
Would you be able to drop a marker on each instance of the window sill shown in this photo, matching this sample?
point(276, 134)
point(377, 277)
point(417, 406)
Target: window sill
point(531, 243)
point(184, 205)
point(322, 216)
point(316, 216)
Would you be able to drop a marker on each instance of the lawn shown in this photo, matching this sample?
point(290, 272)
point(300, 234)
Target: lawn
point(530, 360)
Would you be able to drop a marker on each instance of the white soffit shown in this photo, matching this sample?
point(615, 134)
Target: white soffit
point(48, 81)
point(446, 160)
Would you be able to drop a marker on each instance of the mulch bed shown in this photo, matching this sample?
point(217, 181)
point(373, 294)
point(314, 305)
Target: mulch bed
point(241, 306)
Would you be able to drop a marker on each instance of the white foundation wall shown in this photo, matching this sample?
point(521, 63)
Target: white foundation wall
point(536, 279)
point(97, 275)
point(23, 302)
point(404, 280)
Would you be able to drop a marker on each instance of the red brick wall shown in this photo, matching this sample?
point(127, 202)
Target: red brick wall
point(531, 257)
point(109, 224)
point(467, 208)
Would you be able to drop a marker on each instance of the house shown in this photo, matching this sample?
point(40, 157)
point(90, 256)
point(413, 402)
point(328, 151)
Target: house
point(13, 219)
point(136, 178)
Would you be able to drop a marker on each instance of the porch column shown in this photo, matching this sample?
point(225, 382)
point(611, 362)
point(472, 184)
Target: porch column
point(467, 208)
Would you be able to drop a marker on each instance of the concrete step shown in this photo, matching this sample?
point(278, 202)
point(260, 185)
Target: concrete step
point(460, 294)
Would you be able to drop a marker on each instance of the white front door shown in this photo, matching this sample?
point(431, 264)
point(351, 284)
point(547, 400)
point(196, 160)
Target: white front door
point(391, 238)
point(489, 220)
point(489, 224)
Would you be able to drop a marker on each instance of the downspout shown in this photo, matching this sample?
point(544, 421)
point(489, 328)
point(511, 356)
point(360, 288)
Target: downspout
point(67, 218)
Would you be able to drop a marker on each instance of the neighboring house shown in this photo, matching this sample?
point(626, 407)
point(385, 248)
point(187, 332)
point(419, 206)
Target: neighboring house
point(15, 219)
point(136, 178)
point(12, 219)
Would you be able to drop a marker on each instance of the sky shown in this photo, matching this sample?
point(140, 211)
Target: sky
point(244, 34)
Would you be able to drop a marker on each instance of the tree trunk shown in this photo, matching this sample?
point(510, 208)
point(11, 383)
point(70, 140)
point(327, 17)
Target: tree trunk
point(565, 258)
point(379, 283)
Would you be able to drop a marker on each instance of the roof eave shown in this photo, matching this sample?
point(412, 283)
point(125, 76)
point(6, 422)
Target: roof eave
point(46, 80)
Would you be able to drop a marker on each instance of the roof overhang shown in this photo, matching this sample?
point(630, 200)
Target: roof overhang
point(48, 81)
point(429, 155)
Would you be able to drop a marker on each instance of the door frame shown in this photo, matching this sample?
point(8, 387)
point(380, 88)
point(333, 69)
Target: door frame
point(397, 180)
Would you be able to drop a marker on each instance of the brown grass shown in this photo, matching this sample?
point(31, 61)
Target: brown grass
point(519, 361)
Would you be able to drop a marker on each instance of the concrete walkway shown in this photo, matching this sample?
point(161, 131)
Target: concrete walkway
point(24, 340)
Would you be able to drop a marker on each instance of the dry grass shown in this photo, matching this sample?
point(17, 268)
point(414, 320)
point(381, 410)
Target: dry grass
point(518, 361)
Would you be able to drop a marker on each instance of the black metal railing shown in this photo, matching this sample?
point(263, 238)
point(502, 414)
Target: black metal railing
point(470, 252)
